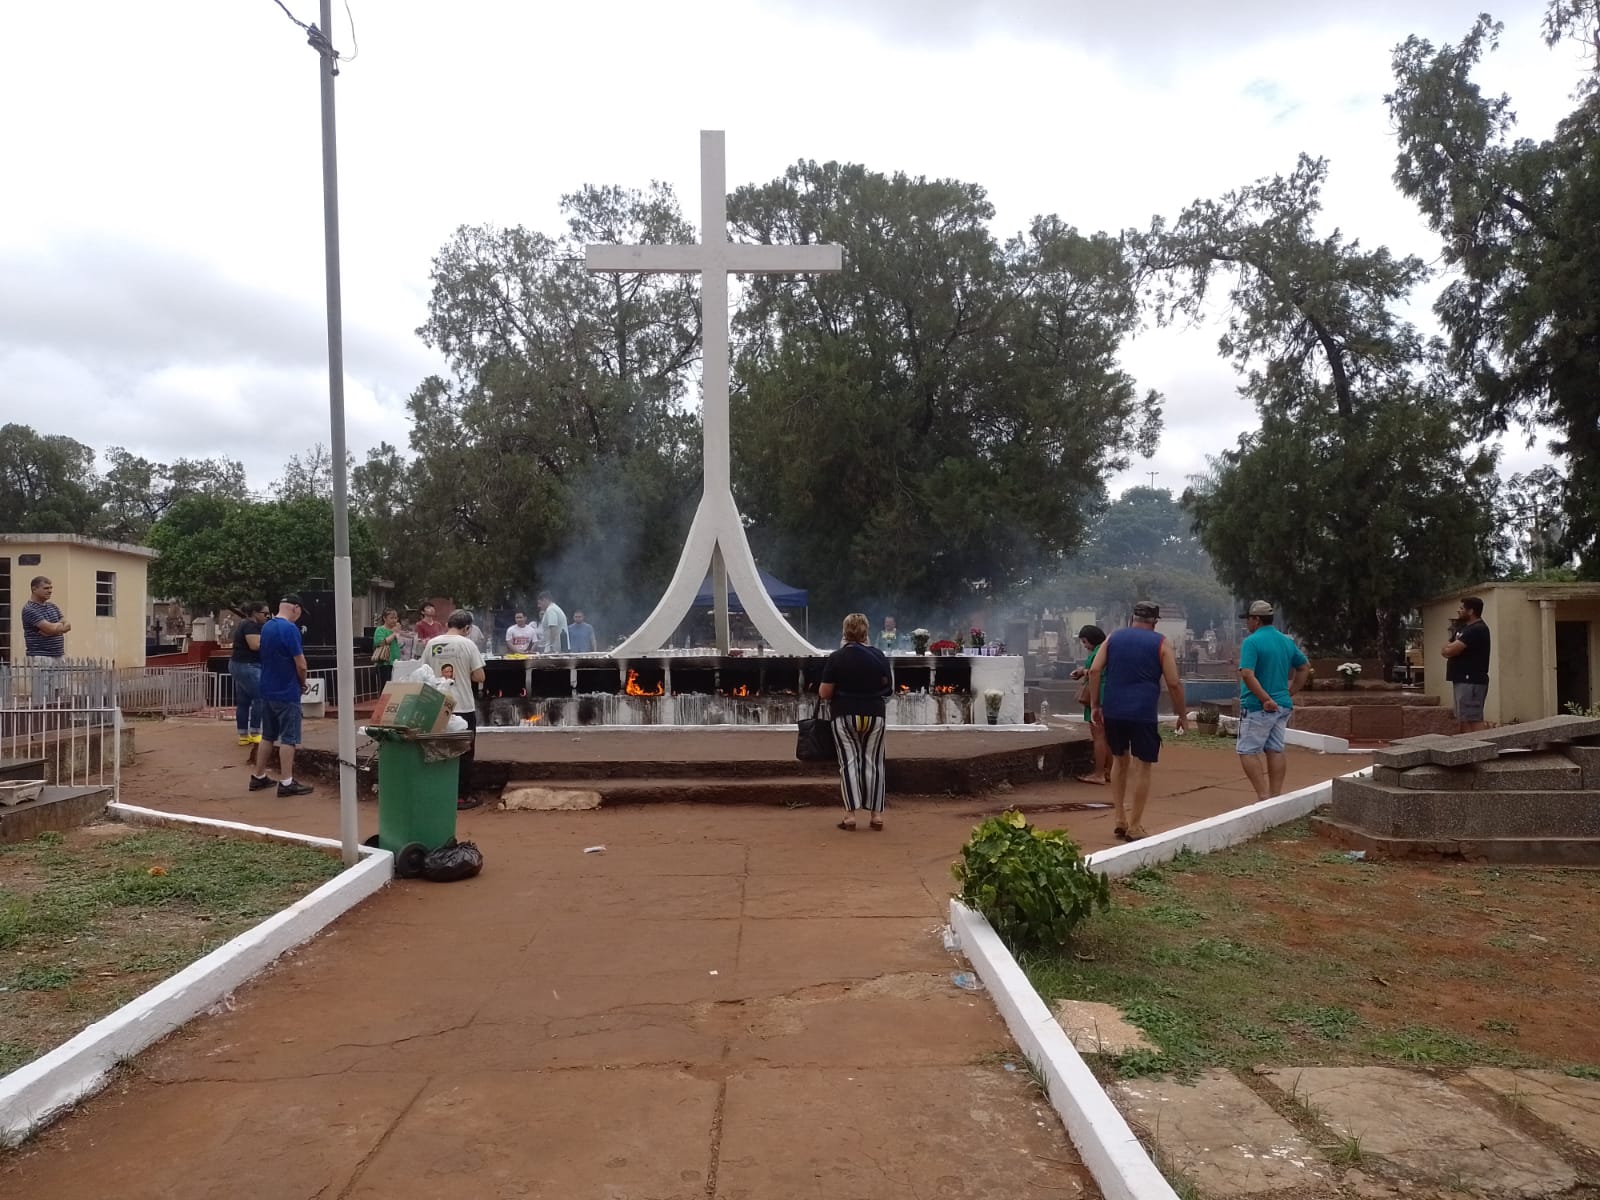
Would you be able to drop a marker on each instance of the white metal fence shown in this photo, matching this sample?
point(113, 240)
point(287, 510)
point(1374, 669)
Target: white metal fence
point(222, 702)
point(62, 723)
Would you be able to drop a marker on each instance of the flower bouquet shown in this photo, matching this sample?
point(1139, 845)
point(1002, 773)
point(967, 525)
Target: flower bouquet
point(992, 700)
point(1350, 672)
point(919, 640)
point(944, 646)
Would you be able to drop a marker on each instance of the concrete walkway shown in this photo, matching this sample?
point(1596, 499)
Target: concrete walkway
point(725, 1002)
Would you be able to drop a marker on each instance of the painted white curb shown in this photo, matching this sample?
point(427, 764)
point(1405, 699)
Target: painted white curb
point(34, 1095)
point(1114, 1156)
point(1218, 832)
point(1102, 1136)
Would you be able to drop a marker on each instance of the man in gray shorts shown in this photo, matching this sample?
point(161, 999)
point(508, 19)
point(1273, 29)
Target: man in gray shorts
point(1467, 657)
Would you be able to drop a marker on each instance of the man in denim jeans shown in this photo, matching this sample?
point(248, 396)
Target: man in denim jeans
point(1271, 670)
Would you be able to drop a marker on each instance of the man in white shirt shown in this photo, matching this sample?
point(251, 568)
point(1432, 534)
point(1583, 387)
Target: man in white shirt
point(452, 656)
point(554, 623)
point(521, 636)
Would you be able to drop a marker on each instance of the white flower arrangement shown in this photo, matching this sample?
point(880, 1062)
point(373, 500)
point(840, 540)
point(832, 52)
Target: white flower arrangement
point(920, 633)
point(1350, 670)
point(992, 699)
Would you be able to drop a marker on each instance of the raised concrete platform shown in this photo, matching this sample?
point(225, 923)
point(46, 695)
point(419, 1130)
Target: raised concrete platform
point(733, 765)
point(1522, 794)
point(57, 808)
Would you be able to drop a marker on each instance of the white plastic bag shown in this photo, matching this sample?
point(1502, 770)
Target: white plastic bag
point(455, 725)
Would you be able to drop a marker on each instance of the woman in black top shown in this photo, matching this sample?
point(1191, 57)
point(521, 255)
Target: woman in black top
point(245, 667)
point(854, 682)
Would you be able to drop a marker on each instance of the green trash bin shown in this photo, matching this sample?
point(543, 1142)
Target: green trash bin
point(417, 777)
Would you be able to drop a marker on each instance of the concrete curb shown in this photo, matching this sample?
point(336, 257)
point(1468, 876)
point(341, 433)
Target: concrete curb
point(1101, 1134)
point(1218, 832)
point(1114, 1156)
point(34, 1095)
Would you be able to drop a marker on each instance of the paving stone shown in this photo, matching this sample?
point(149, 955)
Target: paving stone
point(1426, 1129)
point(1571, 1105)
point(525, 797)
point(1222, 1135)
point(1097, 1028)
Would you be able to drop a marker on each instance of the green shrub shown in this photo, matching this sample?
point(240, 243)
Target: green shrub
point(1031, 884)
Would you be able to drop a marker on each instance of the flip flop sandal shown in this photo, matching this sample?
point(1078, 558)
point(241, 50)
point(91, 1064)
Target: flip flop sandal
point(875, 826)
point(847, 826)
point(1120, 831)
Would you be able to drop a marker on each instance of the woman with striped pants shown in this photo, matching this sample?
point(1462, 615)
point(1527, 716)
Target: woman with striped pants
point(854, 682)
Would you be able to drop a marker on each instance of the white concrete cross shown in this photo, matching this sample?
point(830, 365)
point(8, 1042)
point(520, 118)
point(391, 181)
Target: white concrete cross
point(716, 540)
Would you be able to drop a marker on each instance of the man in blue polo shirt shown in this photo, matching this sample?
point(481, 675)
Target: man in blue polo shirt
point(1271, 670)
point(283, 680)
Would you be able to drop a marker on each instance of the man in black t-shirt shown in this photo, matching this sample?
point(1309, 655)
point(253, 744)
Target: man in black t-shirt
point(1467, 653)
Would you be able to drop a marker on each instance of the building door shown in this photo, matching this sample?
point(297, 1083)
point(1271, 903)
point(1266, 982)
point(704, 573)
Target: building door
point(1572, 665)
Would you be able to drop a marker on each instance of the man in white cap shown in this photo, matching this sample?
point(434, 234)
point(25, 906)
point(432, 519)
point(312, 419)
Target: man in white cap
point(1271, 670)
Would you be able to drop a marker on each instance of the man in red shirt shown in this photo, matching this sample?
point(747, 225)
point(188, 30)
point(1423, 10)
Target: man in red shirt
point(428, 626)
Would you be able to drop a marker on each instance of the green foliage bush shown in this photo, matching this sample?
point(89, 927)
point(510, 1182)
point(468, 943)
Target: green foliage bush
point(1031, 884)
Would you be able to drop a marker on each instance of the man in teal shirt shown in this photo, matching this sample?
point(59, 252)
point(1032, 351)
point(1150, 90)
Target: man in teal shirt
point(1271, 671)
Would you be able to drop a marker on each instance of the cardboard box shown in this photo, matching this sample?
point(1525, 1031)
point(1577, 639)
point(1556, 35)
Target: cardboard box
point(414, 706)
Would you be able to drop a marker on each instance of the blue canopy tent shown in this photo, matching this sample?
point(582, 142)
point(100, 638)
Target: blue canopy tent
point(782, 595)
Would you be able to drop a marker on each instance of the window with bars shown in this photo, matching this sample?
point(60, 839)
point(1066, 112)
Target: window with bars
point(105, 593)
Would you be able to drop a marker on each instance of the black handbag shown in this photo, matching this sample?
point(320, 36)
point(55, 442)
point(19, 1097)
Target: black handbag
point(814, 738)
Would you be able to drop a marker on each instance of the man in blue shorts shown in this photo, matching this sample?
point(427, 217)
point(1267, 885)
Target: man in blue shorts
point(283, 680)
point(1134, 662)
point(1271, 670)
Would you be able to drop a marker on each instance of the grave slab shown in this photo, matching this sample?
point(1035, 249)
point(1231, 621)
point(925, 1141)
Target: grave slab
point(1222, 1135)
point(1535, 771)
point(1542, 732)
point(1426, 1129)
point(1097, 1028)
point(1571, 1105)
point(533, 798)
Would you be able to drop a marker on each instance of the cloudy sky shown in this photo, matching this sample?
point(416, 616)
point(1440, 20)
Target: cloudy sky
point(161, 280)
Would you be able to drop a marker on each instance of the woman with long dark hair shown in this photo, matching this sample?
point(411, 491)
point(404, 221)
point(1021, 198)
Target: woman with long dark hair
point(854, 682)
point(1091, 638)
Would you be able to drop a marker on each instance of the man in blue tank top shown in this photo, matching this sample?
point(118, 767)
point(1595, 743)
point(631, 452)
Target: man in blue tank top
point(1134, 662)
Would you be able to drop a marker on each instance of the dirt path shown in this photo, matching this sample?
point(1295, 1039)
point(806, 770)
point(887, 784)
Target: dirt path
point(730, 1002)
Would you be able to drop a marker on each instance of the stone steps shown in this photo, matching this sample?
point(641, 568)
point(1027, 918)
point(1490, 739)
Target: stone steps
point(789, 790)
point(1387, 810)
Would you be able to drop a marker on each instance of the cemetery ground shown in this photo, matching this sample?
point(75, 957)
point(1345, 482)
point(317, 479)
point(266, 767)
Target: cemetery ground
point(91, 918)
point(1306, 994)
point(728, 1001)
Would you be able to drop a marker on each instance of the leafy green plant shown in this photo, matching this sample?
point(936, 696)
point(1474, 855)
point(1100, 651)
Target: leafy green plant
point(1031, 884)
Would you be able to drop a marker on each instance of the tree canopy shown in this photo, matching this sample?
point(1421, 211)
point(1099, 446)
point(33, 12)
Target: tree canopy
point(1360, 494)
point(935, 423)
point(1521, 239)
point(218, 552)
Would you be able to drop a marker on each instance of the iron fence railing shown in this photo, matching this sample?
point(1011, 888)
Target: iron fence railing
point(61, 723)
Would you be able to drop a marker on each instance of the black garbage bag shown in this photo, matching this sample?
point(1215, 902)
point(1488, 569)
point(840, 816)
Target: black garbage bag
point(452, 861)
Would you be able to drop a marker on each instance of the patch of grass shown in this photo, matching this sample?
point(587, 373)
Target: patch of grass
point(1037, 1077)
point(45, 978)
point(1496, 1025)
point(1426, 1046)
point(1331, 1022)
point(14, 1055)
point(1175, 913)
point(1200, 741)
point(1582, 1071)
point(1505, 941)
point(1345, 1151)
point(85, 920)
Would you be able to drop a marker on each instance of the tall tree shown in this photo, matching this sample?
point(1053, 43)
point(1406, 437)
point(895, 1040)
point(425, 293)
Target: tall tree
point(1522, 240)
point(931, 426)
point(47, 483)
point(560, 453)
point(218, 552)
point(135, 492)
point(1336, 507)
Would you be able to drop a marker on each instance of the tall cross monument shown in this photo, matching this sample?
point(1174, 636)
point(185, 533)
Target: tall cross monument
point(716, 538)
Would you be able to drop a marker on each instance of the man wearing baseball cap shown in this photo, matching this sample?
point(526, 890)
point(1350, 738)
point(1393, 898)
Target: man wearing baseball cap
point(1134, 662)
point(283, 681)
point(1271, 670)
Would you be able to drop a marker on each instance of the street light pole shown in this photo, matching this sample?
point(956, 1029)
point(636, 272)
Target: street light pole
point(344, 632)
